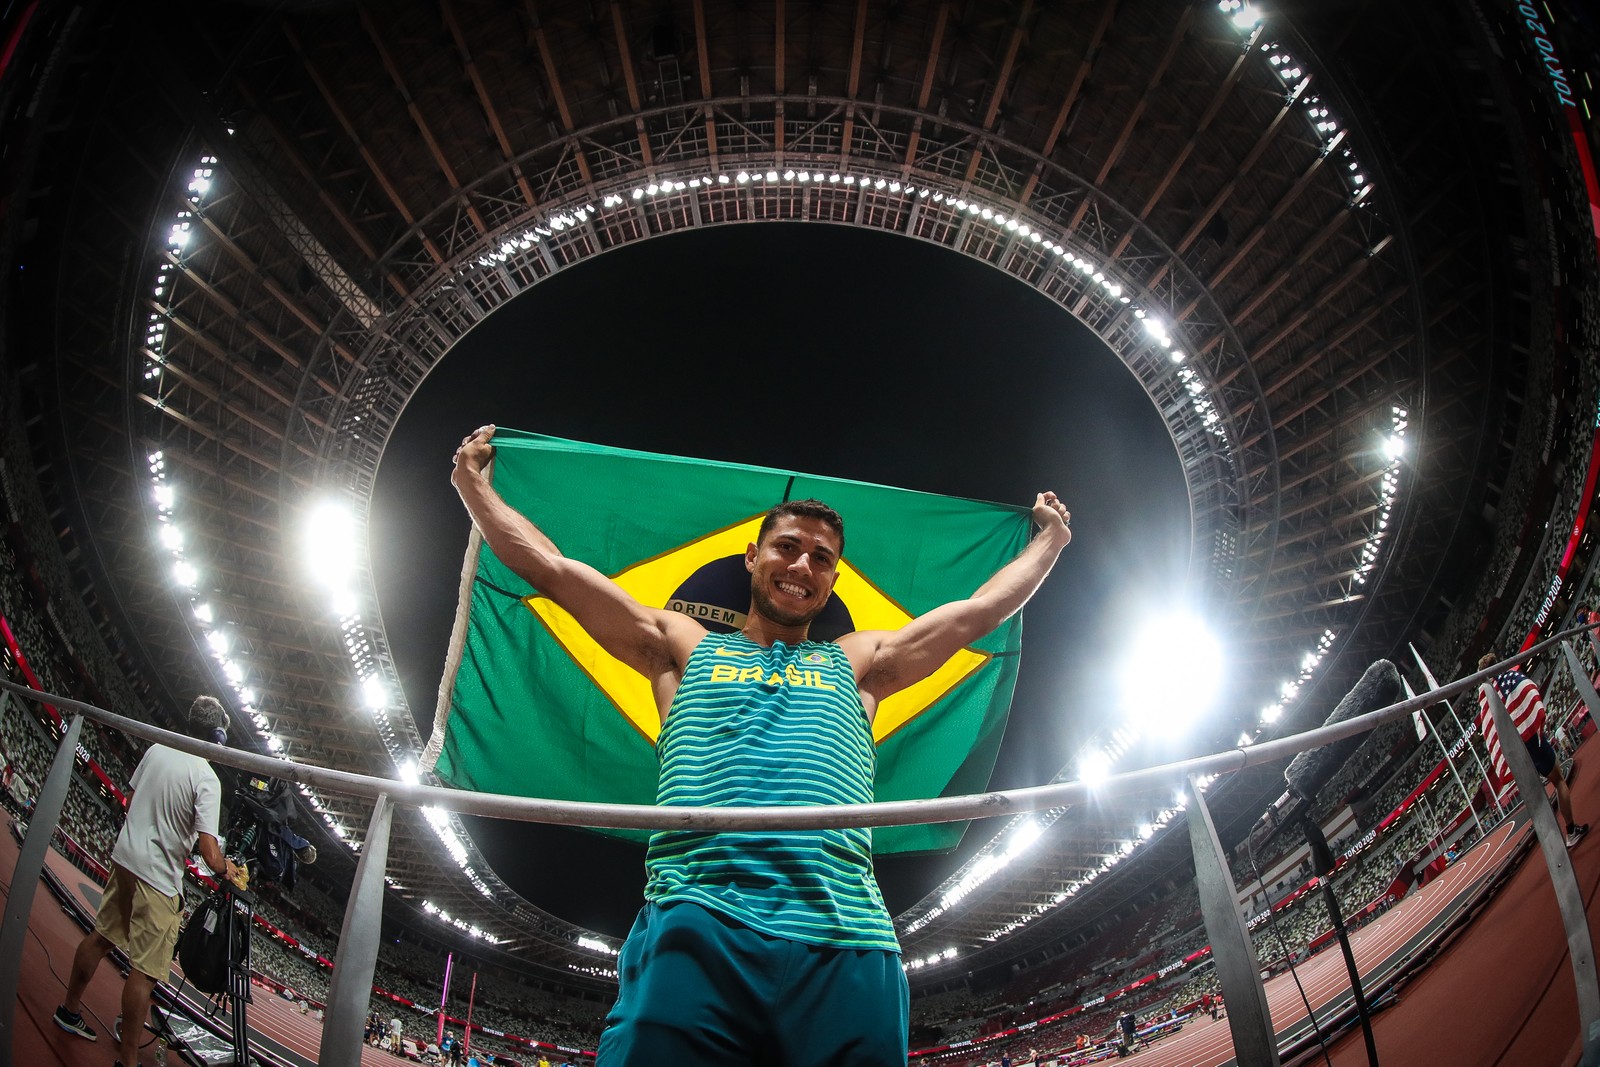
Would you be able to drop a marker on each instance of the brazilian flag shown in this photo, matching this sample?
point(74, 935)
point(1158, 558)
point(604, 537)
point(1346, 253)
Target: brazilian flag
point(531, 706)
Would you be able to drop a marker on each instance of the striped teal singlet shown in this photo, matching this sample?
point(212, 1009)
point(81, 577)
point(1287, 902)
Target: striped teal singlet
point(770, 726)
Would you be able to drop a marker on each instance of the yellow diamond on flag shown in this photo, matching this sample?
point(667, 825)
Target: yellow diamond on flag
point(659, 582)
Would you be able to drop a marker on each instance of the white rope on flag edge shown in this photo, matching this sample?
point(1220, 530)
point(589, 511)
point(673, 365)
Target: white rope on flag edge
point(452, 662)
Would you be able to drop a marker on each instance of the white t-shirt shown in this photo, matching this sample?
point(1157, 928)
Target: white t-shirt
point(176, 797)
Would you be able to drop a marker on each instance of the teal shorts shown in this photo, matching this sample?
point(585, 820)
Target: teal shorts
point(698, 988)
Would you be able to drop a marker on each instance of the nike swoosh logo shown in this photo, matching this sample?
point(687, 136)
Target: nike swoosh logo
point(728, 652)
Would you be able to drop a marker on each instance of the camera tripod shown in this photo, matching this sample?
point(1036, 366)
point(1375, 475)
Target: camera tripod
point(241, 913)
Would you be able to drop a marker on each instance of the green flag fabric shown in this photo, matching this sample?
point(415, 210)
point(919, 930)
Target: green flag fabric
point(531, 706)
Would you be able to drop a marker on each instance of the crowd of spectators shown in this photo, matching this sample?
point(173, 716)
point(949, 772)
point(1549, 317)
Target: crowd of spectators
point(504, 1001)
point(26, 750)
point(71, 650)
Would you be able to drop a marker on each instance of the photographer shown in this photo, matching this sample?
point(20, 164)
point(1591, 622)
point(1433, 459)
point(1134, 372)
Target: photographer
point(175, 804)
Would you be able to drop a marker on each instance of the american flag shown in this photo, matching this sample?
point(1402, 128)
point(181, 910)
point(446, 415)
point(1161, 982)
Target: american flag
point(1526, 706)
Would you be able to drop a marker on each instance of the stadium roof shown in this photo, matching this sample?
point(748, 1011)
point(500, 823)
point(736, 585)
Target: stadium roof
point(265, 224)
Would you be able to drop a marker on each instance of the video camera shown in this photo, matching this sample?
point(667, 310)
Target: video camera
point(261, 831)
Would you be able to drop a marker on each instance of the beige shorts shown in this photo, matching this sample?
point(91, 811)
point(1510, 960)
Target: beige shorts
point(140, 921)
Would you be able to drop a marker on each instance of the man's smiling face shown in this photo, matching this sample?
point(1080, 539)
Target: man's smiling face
point(792, 569)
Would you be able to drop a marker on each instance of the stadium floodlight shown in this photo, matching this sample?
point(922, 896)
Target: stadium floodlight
point(1023, 837)
point(1093, 767)
point(1246, 18)
point(374, 692)
point(203, 612)
point(330, 535)
point(219, 641)
point(345, 604)
point(1173, 673)
point(1394, 446)
point(186, 574)
point(170, 536)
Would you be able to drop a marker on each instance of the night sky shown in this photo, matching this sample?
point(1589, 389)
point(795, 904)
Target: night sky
point(828, 350)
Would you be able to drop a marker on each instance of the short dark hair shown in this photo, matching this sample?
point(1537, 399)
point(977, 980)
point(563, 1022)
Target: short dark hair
point(809, 508)
point(205, 715)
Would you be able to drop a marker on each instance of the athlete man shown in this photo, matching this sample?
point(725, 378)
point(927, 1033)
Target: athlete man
point(760, 947)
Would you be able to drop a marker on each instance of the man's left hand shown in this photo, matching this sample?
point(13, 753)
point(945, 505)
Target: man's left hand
point(1052, 516)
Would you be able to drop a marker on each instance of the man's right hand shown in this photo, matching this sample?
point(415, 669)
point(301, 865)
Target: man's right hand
point(475, 451)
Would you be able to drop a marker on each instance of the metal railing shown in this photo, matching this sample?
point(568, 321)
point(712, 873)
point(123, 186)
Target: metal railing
point(1234, 955)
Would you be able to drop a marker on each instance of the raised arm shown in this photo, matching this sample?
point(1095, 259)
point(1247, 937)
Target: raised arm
point(887, 661)
point(651, 641)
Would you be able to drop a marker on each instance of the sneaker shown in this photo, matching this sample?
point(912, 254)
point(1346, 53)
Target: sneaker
point(1575, 833)
point(73, 1023)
